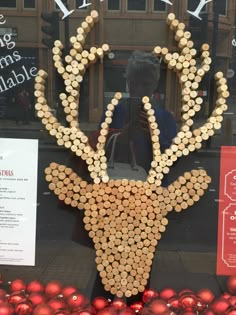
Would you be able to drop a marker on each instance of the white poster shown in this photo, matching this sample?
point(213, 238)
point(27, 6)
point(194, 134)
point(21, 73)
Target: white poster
point(18, 194)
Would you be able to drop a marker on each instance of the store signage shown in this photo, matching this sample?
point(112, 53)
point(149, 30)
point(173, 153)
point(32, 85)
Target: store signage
point(226, 254)
point(18, 192)
point(86, 3)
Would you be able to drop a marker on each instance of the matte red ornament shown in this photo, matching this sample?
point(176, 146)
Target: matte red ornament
point(146, 311)
point(158, 306)
point(226, 295)
point(118, 304)
point(127, 311)
point(206, 295)
point(136, 306)
point(208, 312)
point(43, 309)
point(37, 298)
point(16, 297)
point(35, 286)
point(167, 293)
point(232, 300)
point(99, 302)
point(68, 290)
point(231, 285)
point(6, 309)
point(109, 310)
point(24, 308)
point(173, 303)
point(53, 288)
point(2, 293)
point(3, 299)
point(231, 311)
point(76, 300)
point(219, 306)
point(17, 285)
point(56, 303)
point(188, 313)
point(149, 295)
point(188, 302)
point(62, 311)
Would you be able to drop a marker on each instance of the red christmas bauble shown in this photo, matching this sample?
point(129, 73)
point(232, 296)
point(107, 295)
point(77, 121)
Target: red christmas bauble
point(68, 290)
point(146, 311)
point(109, 310)
point(188, 313)
point(226, 295)
point(43, 309)
point(53, 288)
point(3, 299)
point(127, 311)
point(56, 303)
point(167, 293)
point(173, 303)
point(99, 302)
point(6, 309)
point(136, 306)
point(16, 297)
point(208, 312)
point(37, 298)
point(200, 305)
point(206, 295)
point(231, 311)
point(219, 306)
point(232, 300)
point(17, 285)
point(62, 311)
point(158, 306)
point(231, 285)
point(35, 286)
point(2, 293)
point(149, 295)
point(188, 302)
point(118, 304)
point(24, 308)
point(76, 300)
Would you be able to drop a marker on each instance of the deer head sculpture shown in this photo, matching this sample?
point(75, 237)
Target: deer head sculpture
point(125, 218)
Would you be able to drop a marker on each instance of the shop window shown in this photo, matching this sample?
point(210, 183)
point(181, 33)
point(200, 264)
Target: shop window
point(29, 4)
point(193, 4)
point(8, 4)
point(134, 5)
point(113, 4)
point(159, 6)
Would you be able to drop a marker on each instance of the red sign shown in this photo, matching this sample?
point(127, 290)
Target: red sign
point(226, 251)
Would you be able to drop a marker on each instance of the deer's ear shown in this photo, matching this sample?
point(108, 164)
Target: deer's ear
point(188, 189)
point(67, 185)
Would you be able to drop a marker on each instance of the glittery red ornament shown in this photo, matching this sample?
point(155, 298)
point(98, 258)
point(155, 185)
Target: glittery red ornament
point(16, 297)
point(173, 303)
point(188, 302)
point(136, 306)
point(24, 308)
point(43, 309)
point(53, 288)
point(231, 285)
point(68, 290)
point(149, 295)
point(167, 293)
point(35, 286)
point(118, 304)
point(76, 300)
point(37, 298)
point(62, 311)
point(206, 295)
point(232, 300)
point(6, 309)
point(219, 306)
point(231, 311)
point(109, 310)
point(99, 302)
point(17, 285)
point(2, 293)
point(56, 303)
point(127, 311)
point(158, 306)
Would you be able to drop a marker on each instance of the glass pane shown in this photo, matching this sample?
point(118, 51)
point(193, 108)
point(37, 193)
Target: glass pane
point(221, 7)
point(29, 4)
point(159, 5)
point(8, 3)
point(113, 4)
point(134, 5)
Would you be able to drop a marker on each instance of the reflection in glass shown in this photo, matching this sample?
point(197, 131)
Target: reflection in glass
point(159, 6)
point(134, 5)
point(113, 4)
point(29, 4)
point(8, 4)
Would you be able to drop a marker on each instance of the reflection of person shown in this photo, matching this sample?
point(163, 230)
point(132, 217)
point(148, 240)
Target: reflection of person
point(129, 119)
point(23, 106)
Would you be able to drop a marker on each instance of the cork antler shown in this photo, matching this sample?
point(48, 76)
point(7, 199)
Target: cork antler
point(190, 75)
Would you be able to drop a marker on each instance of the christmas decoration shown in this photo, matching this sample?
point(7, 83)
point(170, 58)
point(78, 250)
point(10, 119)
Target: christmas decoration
point(34, 286)
point(53, 288)
point(17, 285)
point(231, 285)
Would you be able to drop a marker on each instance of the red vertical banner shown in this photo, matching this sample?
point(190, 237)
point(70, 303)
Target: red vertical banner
point(226, 249)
